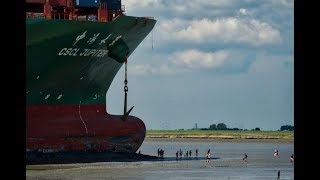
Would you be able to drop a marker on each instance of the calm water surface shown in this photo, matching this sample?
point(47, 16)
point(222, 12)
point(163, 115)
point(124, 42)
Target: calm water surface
point(227, 162)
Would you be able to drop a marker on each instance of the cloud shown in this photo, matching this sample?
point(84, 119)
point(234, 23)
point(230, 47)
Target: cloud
point(196, 59)
point(177, 4)
point(222, 22)
point(184, 61)
point(243, 11)
point(223, 62)
point(162, 9)
point(223, 30)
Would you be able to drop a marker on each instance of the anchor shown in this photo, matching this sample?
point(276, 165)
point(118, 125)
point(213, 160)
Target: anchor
point(125, 112)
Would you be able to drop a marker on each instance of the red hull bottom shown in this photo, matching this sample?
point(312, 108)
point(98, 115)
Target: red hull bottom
point(72, 128)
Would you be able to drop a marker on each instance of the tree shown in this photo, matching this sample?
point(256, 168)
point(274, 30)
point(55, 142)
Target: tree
point(287, 128)
point(257, 129)
point(221, 126)
point(213, 127)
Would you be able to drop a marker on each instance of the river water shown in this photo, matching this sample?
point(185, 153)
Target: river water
point(226, 163)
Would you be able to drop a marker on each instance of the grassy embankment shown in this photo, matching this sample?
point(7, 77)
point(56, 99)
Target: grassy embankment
point(220, 134)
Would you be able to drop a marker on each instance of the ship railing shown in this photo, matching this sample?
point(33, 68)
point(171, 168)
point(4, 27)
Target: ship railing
point(75, 17)
point(82, 18)
point(55, 15)
point(34, 15)
point(59, 15)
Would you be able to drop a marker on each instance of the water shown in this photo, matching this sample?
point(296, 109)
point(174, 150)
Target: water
point(227, 162)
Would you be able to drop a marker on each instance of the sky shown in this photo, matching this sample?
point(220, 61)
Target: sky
point(211, 61)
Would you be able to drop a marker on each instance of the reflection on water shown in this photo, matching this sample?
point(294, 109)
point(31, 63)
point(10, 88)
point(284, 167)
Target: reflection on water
point(227, 163)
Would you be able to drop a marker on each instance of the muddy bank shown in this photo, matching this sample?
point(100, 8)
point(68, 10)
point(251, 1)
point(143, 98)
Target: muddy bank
point(36, 158)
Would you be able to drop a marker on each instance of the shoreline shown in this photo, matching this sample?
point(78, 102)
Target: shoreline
point(272, 136)
point(221, 140)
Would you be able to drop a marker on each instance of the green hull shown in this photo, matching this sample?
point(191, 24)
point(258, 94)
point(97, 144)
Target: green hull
point(72, 62)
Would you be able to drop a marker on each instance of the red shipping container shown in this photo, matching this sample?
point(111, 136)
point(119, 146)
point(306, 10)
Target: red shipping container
point(58, 2)
point(36, 1)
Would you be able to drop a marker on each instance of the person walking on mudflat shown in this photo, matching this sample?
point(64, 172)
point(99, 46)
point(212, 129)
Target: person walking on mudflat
point(245, 157)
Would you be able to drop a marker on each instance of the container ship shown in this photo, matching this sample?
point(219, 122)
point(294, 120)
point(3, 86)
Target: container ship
point(74, 49)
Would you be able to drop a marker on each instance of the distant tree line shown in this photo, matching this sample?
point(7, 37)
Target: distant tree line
point(286, 128)
point(222, 126)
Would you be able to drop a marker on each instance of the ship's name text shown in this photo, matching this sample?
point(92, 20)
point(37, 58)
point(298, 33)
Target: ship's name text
point(83, 52)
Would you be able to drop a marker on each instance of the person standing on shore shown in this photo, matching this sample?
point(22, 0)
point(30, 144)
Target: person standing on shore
point(276, 153)
point(208, 156)
point(196, 153)
point(161, 153)
point(177, 153)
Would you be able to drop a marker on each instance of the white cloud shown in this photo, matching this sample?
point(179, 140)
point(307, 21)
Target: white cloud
point(195, 59)
point(214, 22)
point(177, 4)
point(224, 30)
point(162, 9)
point(243, 11)
point(183, 61)
point(138, 4)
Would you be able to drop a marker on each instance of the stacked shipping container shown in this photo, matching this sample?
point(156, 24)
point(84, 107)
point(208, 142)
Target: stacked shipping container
point(112, 4)
point(109, 4)
point(92, 10)
point(58, 2)
point(36, 1)
point(86, 3)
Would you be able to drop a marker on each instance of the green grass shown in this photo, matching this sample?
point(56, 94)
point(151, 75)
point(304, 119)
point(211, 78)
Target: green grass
point(235, 133)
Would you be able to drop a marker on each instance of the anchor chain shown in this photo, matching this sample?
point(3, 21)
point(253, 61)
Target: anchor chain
point(125, 87)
